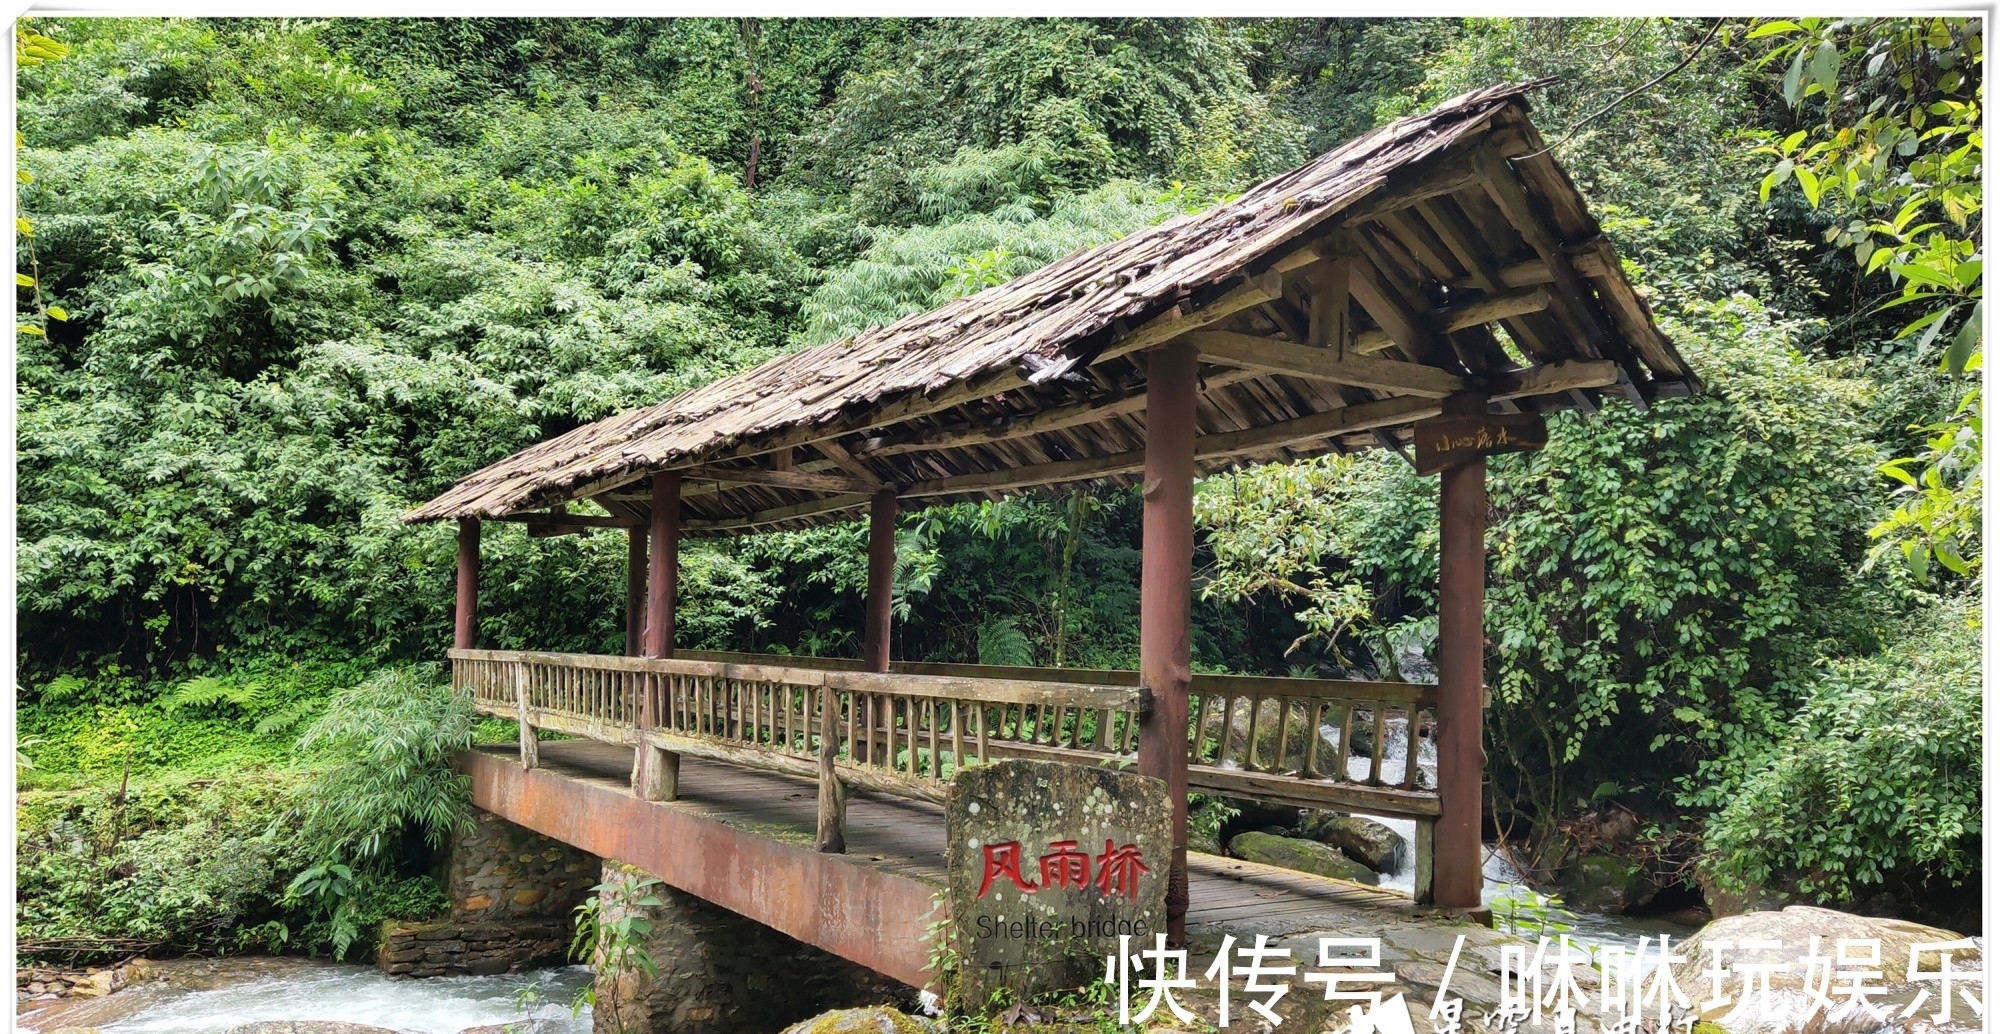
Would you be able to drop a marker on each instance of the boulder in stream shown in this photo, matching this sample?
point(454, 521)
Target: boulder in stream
point(1303, 855)
point(1364, 840)
point(873, 1019)
point(1793, 929)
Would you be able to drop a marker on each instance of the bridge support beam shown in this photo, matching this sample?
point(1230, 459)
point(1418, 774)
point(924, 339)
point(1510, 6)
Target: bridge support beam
point(1165, 588)
point(465, 631)
point(881, 579)
point(656, 773)
point(1461, 673)
point(719, 973)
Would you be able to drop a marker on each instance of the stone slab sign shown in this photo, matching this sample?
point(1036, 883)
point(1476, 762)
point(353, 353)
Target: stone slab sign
point(1048, 864)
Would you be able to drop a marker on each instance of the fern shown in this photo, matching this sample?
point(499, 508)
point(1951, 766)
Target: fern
point(208, 690)
point(1002, 642)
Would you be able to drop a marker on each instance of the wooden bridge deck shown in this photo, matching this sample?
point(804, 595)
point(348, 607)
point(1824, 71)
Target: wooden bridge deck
point(894, 846)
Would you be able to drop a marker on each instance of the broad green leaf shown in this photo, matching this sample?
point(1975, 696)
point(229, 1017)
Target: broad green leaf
point(1966, 342)
point(23, 280)
point(1826, 68)
point(29, 328)
point(1771, 28)
point(57, 312)
point(1792, 78)
point(1808, 182)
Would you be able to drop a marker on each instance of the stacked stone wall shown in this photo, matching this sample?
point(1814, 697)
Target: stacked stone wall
point(513, 898)
point(719, 972)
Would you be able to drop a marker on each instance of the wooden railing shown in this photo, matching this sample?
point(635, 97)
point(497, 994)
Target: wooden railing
point(904, 732)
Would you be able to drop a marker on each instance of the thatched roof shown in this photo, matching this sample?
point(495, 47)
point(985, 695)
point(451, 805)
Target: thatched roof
point(1410, 243)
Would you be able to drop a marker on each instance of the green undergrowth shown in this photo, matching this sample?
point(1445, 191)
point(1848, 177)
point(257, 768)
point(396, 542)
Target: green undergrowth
point(83, 730)
point(280, 805)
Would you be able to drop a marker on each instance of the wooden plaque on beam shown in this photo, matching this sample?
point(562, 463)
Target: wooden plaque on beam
point(1444, 441)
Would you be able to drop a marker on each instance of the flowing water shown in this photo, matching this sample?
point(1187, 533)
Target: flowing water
point(1589, 930)
point(212, 996)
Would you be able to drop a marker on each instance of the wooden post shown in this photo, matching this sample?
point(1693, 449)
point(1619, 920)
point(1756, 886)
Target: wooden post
point(659, 771)
point(1166, 571)
point(663, 568)
point(465, 633)
point(881, 579)
point(1459, 874)
point(1423, 884)
point(531, 754)
point(832, 837)
point(635, 592)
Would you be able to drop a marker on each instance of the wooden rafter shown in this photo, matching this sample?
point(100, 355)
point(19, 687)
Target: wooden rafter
point(794, 479)
point(1225, 348)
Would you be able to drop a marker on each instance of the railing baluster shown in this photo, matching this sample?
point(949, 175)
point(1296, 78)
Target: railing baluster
point(931, 717)
point(1375, 749)
point(957, 735)
point(1410, 748)
point(1199, 744)
point(1284, 726)
point(1346, 737)
point(1310, 769)
point(980, 713)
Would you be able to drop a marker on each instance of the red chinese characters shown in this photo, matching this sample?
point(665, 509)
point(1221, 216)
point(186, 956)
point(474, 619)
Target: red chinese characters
point(1067, 866)
point(1118, 871)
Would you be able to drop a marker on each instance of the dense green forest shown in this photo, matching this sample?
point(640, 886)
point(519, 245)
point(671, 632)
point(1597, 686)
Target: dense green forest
point(282, 280)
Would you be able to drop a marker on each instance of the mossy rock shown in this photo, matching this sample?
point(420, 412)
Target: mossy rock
point(873, 1019)
point(1606, 884)
point(1303, 855)
point(1364, 840)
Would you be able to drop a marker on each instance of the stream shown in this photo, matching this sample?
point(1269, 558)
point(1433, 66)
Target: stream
point(1587, 930)
point(210, 996)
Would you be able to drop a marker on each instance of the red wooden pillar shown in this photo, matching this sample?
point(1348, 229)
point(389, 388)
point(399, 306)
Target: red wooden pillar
point(465, 632)
point(1166, 573)
point(1461, 672)
point(635, 591)
point(881, 579)
point(656, 773)
point(664, 565)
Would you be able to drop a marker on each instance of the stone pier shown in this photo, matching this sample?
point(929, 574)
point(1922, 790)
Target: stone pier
point(718, 972)
point(513, 896)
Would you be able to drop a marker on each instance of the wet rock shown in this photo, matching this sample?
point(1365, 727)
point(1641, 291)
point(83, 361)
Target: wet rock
point(1364, 840)
point(1793, 929)
point(1303, 855)
point(1605, 883)
point(307, 1027)
point(518, 1027)
point(875, 1019)
point(1722, 902)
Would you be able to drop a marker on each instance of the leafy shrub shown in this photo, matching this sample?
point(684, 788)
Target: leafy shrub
point(1878, 776)
point(389, 742)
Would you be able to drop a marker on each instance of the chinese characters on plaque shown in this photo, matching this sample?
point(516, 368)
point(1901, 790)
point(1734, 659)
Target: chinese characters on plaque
point(1048, 865)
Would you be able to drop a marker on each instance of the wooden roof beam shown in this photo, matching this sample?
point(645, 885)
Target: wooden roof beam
point(1027, 425)
point(778, 515)
point(1572, 308)
point(1364, 416)
point(1475, 313)
point(1555, 378)
point(1243, 351)
point(797, 480)
point(845, 460)
point(1407, 329)
point(554, 518)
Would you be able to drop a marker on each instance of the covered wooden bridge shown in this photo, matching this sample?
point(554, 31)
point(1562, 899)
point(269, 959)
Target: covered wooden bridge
point(1423, 285)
